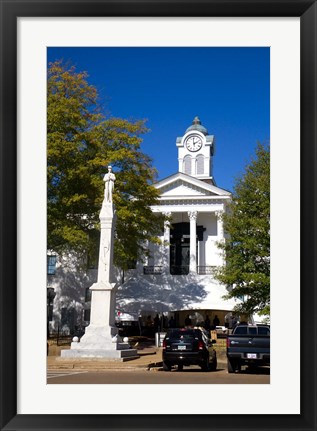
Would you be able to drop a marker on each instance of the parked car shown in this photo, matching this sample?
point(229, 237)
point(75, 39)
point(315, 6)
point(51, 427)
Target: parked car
point(189, 346)
point(248, 345)
point(221, 330)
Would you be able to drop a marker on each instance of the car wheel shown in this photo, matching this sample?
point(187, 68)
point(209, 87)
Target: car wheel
point(206, 366)
point(180, 367)
point(232, 365)
point(166, 366)
point(213, 365)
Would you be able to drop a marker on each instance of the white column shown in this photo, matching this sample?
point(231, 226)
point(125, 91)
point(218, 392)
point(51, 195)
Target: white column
point(220, 236)
point(192, 243)
point(220, 232)
point(166, 245)
point(201, 255)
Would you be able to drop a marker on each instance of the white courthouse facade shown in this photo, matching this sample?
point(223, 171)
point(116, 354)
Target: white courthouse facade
point(194, 204)
point(177, 279)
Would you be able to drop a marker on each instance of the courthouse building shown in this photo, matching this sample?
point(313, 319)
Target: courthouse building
point(177, 279)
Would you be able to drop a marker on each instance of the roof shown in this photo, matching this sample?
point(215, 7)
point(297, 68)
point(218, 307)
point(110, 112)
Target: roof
point(196, 125)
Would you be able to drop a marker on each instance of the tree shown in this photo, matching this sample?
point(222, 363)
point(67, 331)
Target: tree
point(247, 244)
point(81, 143)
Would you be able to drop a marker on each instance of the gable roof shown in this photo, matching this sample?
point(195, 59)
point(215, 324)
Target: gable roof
point(184, 185)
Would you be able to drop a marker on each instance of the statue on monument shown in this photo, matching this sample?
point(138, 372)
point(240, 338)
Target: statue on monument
point(109, 180)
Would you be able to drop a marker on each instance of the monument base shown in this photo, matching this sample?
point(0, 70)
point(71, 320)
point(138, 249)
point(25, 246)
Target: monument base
point(111, 355)
point(100, 342)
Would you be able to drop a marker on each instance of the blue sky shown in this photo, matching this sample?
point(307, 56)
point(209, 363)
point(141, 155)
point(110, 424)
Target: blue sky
point(227, 88)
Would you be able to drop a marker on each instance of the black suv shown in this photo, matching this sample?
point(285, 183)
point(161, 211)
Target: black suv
point(189, 346)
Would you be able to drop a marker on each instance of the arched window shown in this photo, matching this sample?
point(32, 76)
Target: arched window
point(187, 163)
point(200, 164)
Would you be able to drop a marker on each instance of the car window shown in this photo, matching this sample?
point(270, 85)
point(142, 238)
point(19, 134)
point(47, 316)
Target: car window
point(184, 334)
point(263, 330)
point(241, 330)
point(252, 330)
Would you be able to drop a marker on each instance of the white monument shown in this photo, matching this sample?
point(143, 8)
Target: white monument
point(101, 339)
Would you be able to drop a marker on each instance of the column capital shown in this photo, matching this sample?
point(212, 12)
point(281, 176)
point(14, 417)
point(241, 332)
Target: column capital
point(219, 213)
point(167, 223)
point(192, 215)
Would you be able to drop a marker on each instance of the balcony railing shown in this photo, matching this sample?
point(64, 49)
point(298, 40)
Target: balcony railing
point(152, 270)
point(177, 270)
point(205, 270)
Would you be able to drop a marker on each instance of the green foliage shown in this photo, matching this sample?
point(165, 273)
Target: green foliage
point(247, 245)
point(81, 143)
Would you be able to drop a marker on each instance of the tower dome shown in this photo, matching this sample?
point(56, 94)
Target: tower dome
point(196, 125)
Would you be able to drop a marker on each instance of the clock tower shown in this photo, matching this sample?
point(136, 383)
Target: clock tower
point(195, 152)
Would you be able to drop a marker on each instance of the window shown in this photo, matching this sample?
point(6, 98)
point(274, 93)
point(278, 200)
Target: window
point(263, 330)
point(50, 313)
point(51, 264)
point(87, 294)
point(241, 330)
point(187, 165)
point(87, 315)
point(184, 334)
point(200, 165)
point(50, 299)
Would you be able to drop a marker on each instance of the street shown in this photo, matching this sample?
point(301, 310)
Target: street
point(190, 375)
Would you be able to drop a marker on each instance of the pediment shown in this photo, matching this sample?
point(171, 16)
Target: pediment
point(182, 188)
point(184, 185)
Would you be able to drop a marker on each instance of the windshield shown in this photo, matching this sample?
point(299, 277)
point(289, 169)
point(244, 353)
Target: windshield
point(185, 334)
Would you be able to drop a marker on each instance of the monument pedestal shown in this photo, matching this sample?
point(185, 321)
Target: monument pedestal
point(101, 339)
point(100, 342)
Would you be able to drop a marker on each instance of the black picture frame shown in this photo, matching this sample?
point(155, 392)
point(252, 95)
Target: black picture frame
point(307, 11)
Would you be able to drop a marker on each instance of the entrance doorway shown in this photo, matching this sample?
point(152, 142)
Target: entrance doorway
point(180, 248)
point(179, 258)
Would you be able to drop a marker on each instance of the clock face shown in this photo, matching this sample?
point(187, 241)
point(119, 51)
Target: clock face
point(194, 143)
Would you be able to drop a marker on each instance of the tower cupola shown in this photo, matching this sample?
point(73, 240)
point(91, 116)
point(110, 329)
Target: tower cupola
point(195, 152)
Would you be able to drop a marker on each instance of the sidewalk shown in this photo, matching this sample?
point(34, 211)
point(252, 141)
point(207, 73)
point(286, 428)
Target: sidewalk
point(149, 358)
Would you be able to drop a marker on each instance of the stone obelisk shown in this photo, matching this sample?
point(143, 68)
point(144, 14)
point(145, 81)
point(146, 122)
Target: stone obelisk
point(101, 339)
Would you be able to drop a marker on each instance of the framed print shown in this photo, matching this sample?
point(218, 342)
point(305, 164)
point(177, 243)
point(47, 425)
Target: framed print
point(28, 29)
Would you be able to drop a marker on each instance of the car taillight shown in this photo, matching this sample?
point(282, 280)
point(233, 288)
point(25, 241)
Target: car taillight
point(200, 345)
point(228, 342)
point(164, 344)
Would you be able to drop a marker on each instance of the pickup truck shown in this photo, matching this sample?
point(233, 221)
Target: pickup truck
point(248, 345)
